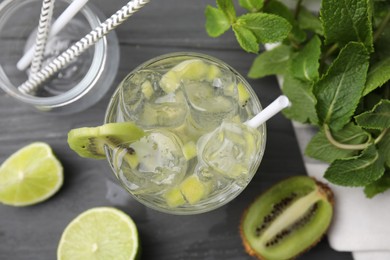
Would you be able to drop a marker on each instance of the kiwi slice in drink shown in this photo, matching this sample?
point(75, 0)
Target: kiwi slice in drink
point(193, 69)
point(288, 219)
point(194, 190)
point(174, 197)
point(89, 142)
point(191, 190)
point(243, 94)
point(189, 150)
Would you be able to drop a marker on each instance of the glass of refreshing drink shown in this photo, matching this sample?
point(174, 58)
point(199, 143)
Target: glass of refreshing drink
point(196, 154)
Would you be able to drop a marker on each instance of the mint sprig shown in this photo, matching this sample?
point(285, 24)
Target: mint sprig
point(217, 23)
point(321, 148)
point(377, 118)
point(306, 63)
point(300, 93)
point(339, 90)
point(336, 72)
point(347, 20)
point(378, 75)
point(250, 29)
point(252, 5)
point(357, 171)
point(272, 62)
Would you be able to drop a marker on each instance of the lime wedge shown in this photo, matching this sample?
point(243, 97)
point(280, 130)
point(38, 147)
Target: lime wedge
point(30, 175)
point(99, 233)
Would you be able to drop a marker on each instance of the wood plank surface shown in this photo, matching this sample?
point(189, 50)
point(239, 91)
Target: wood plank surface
point(161, 27)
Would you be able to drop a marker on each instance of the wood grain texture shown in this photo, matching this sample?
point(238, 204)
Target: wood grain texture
point(161, 27)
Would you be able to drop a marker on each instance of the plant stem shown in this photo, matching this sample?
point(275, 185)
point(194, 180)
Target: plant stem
point(326, 55)
point(381, 26)
point(297, 9)
point(330, 51)
point(294, 44)
point(379, 138)
point(337, 144)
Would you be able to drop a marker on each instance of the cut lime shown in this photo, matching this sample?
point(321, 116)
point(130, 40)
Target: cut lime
point(30, 175)
point(99, 233)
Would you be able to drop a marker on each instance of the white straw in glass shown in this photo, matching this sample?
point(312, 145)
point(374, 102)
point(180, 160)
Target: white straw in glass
point(82, 45)
point(272, 109)
point(42, 35)
point(57, 26)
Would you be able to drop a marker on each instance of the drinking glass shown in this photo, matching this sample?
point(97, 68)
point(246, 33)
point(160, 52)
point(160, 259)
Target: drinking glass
point(76, 87)
point(191, 107)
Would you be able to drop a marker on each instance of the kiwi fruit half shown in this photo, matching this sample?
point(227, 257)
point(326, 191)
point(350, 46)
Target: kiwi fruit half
point(288, 219)
point(90, 141)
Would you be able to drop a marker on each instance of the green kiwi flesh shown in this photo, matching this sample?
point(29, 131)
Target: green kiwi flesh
point(288, 219)
point(89, 142)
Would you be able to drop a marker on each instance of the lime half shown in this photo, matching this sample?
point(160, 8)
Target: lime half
point(99, 233)
point(30, 175)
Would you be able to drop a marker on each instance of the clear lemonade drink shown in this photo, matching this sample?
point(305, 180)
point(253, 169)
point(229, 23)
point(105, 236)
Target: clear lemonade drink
point(197, 153)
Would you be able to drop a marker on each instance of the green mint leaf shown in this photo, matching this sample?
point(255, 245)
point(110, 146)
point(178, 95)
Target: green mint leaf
point(246, 39)
point(267, 28)
point(272, 62)
point(377, 75)
point(308, 21)
point(216, 21)
point(306, 63)
point(280, 9)
point(320, 148)
point(338, 92)
point(377, 118)
point(384, 148)
point(227, 7)
point(347, 20)
point(356, 171)
point(297, 35)
point(302, 99)
point(378, 186)
point(252, 5)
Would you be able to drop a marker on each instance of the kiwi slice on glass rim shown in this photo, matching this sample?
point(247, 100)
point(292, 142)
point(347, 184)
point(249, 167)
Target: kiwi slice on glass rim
point(288, 219)
point(89, 142)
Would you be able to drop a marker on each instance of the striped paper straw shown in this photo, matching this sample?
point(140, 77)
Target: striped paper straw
point(82, 45)
point(57, 26)
point(42, 34)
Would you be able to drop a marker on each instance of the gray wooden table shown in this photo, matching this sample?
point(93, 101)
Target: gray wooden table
point(161, 27)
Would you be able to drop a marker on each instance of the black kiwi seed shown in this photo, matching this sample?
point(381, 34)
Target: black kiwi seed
point(277, 209)
point(245, 103)
point(128, 149)
point(296, 225)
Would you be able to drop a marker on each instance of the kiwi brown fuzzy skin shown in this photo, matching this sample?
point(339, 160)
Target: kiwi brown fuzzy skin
point(323, 189)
